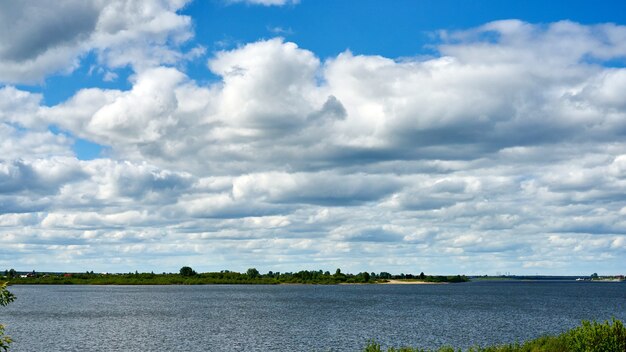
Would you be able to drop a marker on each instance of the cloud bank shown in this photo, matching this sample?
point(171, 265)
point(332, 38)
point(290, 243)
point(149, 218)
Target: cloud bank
point(43, 41)
point(504, 152)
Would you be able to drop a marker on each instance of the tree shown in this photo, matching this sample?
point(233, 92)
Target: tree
point(6, 297)
point(422, 276)
point(366, 276)
point(384, 275)
point(187, 271)
point(252, 273)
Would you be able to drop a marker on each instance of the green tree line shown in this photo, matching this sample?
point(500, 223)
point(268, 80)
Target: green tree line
point(188, 276)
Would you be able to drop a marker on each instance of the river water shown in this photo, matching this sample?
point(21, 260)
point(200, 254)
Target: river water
point(299, 317)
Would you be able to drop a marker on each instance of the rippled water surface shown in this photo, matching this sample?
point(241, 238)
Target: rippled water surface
point(299, 317)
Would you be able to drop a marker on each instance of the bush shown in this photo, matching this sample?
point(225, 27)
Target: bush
point(6, 297)
point(589, 337)
point(593, 336)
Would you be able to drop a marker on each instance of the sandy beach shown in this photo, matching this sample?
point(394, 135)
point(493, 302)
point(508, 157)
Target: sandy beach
point(404, 282)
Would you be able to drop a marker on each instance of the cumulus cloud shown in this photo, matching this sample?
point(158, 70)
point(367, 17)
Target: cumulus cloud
point(503, 152)
point(17, 143)
point(265, 2)
point(40, 176)
point(44, 41)
point(313, 188)
point(366, 109)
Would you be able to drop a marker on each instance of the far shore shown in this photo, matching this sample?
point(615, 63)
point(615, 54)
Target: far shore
point(187, 276)
point(411, 282)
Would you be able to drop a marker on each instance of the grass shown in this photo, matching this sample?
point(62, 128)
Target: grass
point(609, 336)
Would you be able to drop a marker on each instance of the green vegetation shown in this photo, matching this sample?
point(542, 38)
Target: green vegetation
point(589, 337)
point(6, 297)
point(188, 276)
point(187, 271)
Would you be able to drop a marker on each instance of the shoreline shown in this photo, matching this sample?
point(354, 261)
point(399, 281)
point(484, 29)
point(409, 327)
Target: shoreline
point(403, 282)
point(226, 278)
point(389, 282)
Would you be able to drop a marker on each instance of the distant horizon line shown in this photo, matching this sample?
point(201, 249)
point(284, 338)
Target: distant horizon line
point(295, 271)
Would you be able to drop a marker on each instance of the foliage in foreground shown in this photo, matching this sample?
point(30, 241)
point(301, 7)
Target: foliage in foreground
point(6, 297)
point(609, 336)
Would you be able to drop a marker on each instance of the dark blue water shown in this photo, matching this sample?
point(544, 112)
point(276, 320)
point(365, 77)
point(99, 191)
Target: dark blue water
point(299, 318)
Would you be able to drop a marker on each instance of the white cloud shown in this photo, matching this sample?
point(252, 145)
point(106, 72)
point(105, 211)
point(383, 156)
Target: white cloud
point(141, 34)
point(266, 85)
point(313, 188)
point(16, 143)
point(110, 76)
point(143, 114)
point(509, 145)
point(20, 107)
point(265, 2)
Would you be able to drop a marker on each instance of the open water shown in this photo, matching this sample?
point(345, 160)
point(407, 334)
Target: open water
point(300, 317)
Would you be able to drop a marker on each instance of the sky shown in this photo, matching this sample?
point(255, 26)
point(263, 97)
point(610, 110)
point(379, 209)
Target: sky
point(445, 137)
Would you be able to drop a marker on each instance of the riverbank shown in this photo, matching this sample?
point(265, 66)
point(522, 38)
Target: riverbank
point(176, 281)
point(252, 277)
point(411, 282)
point(609, 336)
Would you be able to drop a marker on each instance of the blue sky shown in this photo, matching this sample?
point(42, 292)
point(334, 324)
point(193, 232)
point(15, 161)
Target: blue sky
point(440, 136)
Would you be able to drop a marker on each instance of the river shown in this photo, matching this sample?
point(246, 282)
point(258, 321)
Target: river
point(299, 317)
